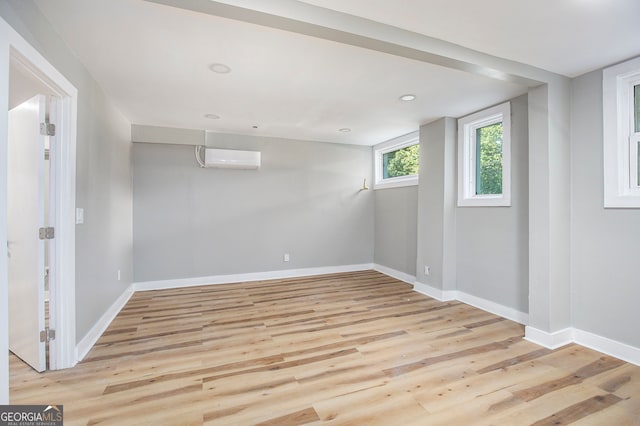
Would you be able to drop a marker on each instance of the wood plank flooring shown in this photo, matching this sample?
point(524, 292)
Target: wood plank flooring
point(356, 348)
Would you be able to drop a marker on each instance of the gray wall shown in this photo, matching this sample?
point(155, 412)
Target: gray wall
point(605, 242)
point(436, 205)
point(550, 206)
point(305, 200)
point(396, 216)
point(482, 251)
point(492, 242)
point(104, 189)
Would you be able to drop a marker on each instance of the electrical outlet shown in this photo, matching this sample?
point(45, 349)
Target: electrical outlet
point(286, 257)
point(427, 270)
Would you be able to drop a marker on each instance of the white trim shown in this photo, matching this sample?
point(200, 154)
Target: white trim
point(617, 130)
point(4, 277)
point(12, 45)
point(607, 346)
point(433, 292)
point(493, 307)
point(587, 339)
point(62, 278)
point(549, 340)
point(397, 182)
point(90, 339)
point(393, 273)
point(469, 299)
point(252, 276)
point(395, 144)
point(467, 126)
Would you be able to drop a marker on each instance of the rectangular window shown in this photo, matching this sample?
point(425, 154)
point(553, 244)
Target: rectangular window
point(484, 162)
point(489, 160)
point(401, 162)
point(621, 131)
point(397, 162)
point(636, 106)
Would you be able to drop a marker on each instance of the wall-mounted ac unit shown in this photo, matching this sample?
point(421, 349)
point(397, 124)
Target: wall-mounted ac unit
point(231, 159)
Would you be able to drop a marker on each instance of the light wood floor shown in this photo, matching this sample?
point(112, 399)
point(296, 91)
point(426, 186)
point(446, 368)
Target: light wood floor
point(358, 348)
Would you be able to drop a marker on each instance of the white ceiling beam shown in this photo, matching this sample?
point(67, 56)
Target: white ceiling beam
point(311, 20)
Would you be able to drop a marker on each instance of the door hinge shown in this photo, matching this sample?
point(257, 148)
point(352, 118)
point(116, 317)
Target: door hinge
point(47, 129)
point(46, 233)
point(47, 335)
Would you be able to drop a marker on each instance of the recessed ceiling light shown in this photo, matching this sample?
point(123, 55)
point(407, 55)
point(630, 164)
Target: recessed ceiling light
point(345, 130)
point(212, 116)
point(220, 68)
point(407, 97)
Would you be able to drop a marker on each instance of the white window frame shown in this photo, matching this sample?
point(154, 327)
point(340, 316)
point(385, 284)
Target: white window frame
point(620, 141)
point(395, 144)
point(467, 127)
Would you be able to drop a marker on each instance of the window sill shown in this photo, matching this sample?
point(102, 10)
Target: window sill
point(621, 201)
point(489, 201)
point(397, 183)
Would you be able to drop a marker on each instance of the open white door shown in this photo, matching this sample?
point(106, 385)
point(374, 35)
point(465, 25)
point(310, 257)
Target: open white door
point(26, 216)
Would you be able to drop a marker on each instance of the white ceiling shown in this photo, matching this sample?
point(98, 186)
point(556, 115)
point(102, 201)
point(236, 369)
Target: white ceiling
point(153, 62)
point(568, 37)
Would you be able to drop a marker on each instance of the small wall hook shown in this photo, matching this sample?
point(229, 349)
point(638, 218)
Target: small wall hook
point(364, 184)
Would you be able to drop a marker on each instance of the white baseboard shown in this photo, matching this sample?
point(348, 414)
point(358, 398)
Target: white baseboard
point(587, 339)
point(84, 346)
point(605, 345)
point(469, 299)
point(435, 293)
point(553, 340)
point(549, 340)
point(493, 307)
point(393, 273)
point(252, 276)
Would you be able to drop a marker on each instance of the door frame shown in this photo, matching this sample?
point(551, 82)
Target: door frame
point(14, 47)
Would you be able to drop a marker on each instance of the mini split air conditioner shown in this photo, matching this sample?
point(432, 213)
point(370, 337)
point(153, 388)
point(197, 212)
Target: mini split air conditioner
point(231, 159)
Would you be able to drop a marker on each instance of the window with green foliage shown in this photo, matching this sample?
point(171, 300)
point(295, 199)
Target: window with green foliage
point(401, 162)
point(489, 159)
point(397, 162)
point(484, 159)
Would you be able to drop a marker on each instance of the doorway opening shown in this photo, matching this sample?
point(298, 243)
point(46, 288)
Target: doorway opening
point(41, 213)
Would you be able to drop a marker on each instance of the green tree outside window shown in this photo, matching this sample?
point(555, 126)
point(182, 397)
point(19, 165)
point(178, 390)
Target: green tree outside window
point(489, 159)
point(403, 162)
